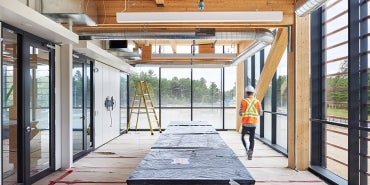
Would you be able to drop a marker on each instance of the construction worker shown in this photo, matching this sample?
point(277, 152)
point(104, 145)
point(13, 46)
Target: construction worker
point(250, 110)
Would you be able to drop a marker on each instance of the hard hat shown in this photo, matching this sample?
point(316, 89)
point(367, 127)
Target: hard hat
point(249, 89)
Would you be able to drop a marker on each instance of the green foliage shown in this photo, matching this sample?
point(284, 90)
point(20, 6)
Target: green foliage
point(178, 90)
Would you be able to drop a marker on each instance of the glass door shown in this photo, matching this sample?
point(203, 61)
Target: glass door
point(37, 115)
point(27, 104)
point(82, 122)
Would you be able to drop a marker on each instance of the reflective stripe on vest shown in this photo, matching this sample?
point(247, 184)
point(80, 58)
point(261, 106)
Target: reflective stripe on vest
point(251, 110)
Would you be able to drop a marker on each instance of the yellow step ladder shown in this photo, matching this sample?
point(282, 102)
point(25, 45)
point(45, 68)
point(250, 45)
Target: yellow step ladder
point(142, 96)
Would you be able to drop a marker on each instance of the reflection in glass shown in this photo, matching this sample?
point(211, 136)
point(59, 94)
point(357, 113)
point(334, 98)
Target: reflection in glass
point(174, 114)
point(175, 87)
point(39, 110)
point(77, 102)
point(123, 101)
point(282, 130)
point(207, 88)
point(89, 139)
point(230, 97)
point(282, 86)
point(267, 117)
point(336, 95)
point(207, 93)
point(337, 150)
point(9, 107)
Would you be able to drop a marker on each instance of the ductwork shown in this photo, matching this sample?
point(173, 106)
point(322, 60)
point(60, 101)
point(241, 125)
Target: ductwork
point(307, 7)
point(77, 12)
point(263, 35)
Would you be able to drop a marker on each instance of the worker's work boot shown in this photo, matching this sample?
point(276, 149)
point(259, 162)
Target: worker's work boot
point(250, 153)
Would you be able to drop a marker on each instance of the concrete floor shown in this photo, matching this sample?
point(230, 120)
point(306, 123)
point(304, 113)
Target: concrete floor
point(115, 161)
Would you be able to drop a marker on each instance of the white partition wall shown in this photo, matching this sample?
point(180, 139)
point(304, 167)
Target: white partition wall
point(107, 118)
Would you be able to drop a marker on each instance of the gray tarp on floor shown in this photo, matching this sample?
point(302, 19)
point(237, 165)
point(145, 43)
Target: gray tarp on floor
point(190, 154)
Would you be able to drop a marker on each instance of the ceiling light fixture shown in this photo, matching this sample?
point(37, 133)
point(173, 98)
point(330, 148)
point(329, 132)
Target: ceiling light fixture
point(308, 7)
point(201, 5)
point(155, 17)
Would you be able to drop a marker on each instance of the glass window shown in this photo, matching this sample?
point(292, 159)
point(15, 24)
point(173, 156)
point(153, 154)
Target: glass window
point(207, 96)
point(282, 130)
point(336, 145)
point(257, 67)
point(175, 95)
point(230, 98)
point(336, 87)
point(123, 101)
point(282, 85)
point(249, 71)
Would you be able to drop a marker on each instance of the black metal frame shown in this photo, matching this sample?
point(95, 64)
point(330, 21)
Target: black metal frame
point(262, 119)
point(273, 109)
point(25, 40)
point(363, 92)
point(86, 61)
point(353, 92)
point(253, 66)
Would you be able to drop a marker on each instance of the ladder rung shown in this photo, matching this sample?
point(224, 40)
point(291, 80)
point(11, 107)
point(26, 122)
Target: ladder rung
point(138, 112)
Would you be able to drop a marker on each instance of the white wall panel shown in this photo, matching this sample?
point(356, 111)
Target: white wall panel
point(106, 86)
point(110, 89)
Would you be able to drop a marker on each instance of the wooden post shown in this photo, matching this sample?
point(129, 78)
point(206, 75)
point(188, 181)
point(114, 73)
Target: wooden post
point(302, 92)
point(239, 92)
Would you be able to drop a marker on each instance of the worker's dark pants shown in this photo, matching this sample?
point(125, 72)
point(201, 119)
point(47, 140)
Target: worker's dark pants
point(251, 131)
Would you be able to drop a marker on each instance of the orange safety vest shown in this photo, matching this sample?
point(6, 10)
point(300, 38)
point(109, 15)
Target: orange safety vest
point(250, 111)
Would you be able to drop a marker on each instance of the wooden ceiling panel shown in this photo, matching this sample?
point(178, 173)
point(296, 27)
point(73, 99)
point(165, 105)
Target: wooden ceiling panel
point(107, 23)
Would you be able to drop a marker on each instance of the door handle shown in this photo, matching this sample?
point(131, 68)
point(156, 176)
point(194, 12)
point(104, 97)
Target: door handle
point(28, 129)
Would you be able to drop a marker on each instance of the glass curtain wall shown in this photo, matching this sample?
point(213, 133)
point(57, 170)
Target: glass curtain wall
point(273, 124)
point(207, 96)
point(138, 119)
point(230, 97)
point(365, 91)
point(282, 102)
point(185, 94)
point(175, 95)
point(336, 86)
point(340, 106)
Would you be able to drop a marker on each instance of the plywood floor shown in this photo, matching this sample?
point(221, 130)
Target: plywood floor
point(115, 161)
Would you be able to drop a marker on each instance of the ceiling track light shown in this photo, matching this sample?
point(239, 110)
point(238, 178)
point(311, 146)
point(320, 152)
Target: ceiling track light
point(308, 7)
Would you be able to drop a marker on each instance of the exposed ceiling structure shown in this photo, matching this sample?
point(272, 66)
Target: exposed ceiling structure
point(97, 20)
